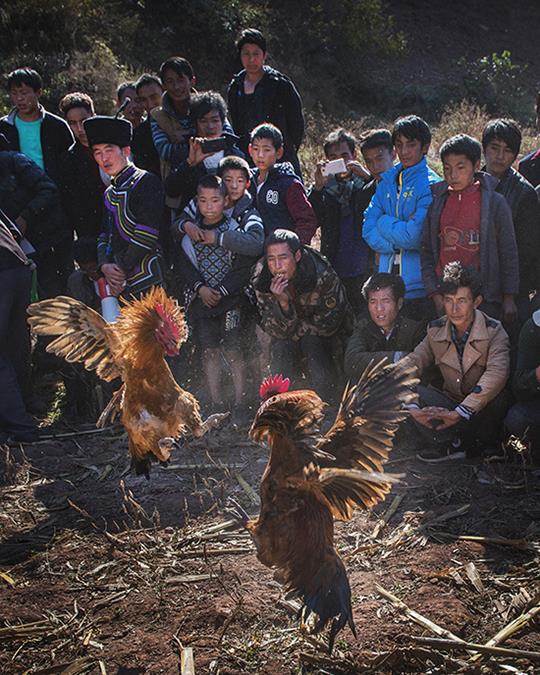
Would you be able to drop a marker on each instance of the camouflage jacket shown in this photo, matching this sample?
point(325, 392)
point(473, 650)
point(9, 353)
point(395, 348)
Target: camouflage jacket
point(318, 306)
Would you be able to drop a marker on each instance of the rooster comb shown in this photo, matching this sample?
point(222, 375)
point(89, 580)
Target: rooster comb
point(167, 320)
point(274, 385)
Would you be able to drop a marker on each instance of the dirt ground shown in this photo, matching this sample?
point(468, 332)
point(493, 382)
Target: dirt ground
point(104, 572)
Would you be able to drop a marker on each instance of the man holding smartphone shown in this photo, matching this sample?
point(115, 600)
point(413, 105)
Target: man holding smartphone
point(206, 149)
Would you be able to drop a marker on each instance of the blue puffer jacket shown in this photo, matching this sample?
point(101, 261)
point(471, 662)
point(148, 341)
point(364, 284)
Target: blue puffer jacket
point(394, 218)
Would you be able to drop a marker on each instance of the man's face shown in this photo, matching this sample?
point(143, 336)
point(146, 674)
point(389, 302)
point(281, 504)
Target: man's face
point(210, 125)
point(252, 58)
point(150, 96)
point(459, 171)
point(134, 110)
point(460, 306)
point(282, 261)
point(341, 151)
point(236, 183)
point(178, 87)
point(384, 308)
point(410, 151)
point(211, 204)
point(499, 157)
point(24, 98)
point(264, 154)
point(378, 160)
point(111, 158)
point(75, 118)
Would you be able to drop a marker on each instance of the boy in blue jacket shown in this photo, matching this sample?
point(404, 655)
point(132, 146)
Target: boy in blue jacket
point(393, 220)
point(278, 193)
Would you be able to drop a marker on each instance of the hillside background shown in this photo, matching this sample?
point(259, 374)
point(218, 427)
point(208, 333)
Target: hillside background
point(356, 62)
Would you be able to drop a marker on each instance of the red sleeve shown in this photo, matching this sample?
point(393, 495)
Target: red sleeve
point(301, 212)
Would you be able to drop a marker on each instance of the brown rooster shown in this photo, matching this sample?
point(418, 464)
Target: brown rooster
point(154, 409)
point(311, 479)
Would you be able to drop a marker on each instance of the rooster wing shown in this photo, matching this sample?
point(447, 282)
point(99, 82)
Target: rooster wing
point(83, 336)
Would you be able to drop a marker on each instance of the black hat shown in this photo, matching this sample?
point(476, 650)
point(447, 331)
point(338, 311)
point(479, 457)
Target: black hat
point(109, 130)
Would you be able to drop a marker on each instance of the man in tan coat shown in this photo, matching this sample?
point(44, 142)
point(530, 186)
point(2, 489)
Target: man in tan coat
point(471, 352)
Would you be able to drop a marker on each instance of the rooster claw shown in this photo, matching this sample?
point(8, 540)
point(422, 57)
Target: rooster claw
point(237, 512)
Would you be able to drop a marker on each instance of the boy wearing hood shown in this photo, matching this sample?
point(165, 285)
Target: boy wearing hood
point(278, 193)
point(469, 222)
point(393, 221)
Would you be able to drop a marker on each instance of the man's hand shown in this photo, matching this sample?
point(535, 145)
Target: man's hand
point(209, 296)
point(209, 237)
point(537, 372)
point(422, 416)
point(439, 304)
point(196, 155)
point(509, 309)
point(193, 231)
point(278, 287)
point(448, 418)
point(320, 180)
point(115, 277)
point(434, 417)
point(355, 167)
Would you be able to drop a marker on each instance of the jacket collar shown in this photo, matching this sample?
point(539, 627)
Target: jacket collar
point(408, 174)
point(10, 119)
point(123, 176)
point(478, 331)
point(487, 182)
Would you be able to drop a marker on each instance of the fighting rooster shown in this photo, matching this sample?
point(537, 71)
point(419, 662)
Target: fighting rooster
point(311, 478)
point(154, 409)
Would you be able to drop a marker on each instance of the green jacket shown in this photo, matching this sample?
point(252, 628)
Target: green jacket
point(319, 305)
point(367, 343)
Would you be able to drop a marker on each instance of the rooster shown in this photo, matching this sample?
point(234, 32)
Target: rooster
point(312, 479)
point(155, 411)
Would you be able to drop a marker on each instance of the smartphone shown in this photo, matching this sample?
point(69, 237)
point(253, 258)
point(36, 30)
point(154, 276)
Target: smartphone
point(334, 166)
point(213, 144)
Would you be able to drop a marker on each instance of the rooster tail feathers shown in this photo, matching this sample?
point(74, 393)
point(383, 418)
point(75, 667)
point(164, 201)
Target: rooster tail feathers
point(330, 599)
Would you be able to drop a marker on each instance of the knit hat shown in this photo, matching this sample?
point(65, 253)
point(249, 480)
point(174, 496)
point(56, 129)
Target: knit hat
point(108, 130)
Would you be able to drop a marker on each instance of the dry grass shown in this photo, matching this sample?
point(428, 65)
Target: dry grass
point(458, 118)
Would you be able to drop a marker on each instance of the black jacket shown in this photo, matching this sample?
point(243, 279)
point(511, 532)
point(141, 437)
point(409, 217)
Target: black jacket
point(367, 343)
point(529, 167)
point(144, 152)
point(274, 100)
point(525, 207)
point(25, 190)
point(56, 139)
point(81, 191)
point(524, 382)
point(328, 212)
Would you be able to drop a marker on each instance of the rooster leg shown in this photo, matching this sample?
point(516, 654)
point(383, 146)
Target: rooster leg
point(237, 512)
point(211, 422)
point(167, 445)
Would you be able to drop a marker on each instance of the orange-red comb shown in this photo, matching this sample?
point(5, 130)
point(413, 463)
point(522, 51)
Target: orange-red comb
point(274, 385)
point(171, 325)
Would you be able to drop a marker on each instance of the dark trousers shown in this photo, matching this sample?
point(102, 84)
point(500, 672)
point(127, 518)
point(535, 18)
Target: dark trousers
point(523, 421)
point(313, 350)
point(54, 266)
point(484, 428)
point(14, 350)
point(353, 286)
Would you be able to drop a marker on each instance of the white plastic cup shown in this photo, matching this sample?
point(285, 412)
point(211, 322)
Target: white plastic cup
point(110, 307)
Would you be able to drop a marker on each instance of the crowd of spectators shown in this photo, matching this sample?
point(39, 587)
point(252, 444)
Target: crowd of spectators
point(204, 195)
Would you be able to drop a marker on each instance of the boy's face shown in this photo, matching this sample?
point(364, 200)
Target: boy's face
point(499, 157)
point(75, 118)
point(264, 154)
point(459, 307)
point(210, 125)
point(236, 183)
point(410, 151)
point(211, 204)
point(111, 158)
point(282, 261)
point(252, 58)
point(341, 151)
point(459, 171)
point(150, 96)
point(178, 87)
point(378, 160)
point(24, 98)
point(384, 308)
